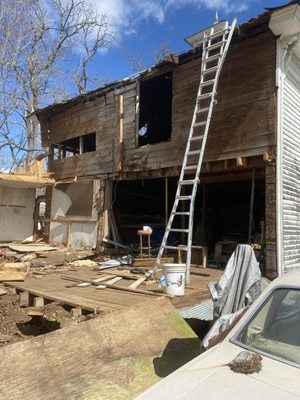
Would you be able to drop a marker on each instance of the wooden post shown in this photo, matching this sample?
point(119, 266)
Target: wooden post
point(251, 206)
point(24, 299)
point(38, 302)
point(99, 213)
point(118, 159)
point(166, 201)
point(68, 234)
point(107, 208)
point(204, 206)
point(80, 145)
point(59, 154)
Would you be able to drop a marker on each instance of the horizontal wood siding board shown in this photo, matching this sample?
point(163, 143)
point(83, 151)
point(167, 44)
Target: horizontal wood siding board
point(291, 174)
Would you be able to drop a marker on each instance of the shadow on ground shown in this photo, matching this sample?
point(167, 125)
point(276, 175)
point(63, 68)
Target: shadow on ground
point(177, 353)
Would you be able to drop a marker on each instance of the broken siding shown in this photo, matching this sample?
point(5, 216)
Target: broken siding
point(244, 118)
point(243, 122)
point(100, 115)
point(291, 168)
point(74, 214)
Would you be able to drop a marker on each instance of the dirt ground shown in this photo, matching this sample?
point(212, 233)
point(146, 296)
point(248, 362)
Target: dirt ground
point(18, 323)
point(12, 317)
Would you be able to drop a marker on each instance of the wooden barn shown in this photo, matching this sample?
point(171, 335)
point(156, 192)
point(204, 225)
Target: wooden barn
point(116, 152)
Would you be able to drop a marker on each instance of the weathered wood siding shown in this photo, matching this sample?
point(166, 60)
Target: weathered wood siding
point(99, 115)
point(291, 168)
point(243, 123)
point(244, 119)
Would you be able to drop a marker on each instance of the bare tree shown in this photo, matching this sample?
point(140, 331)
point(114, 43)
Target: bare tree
point(37, 40)
point(137, 60)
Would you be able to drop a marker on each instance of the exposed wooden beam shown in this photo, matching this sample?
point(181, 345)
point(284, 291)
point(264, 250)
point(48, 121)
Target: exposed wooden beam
point(26, 180)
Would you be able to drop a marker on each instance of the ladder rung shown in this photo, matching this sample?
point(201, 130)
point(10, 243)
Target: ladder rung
point(212, 58)
point(204, 96)
point(179, 230)
point(181, 247)
point(219, 33)
point(210, 70)
point(193, 152)
point(215, 45)
point(199, 124)
point(182, 213)
point(184, 197)
point(200, 137)
point(188, 181)
point(173, 248)
point(207, 83)
point(189, 167)
point(202, 110)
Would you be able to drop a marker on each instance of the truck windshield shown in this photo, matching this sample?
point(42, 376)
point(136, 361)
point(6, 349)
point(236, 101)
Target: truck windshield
point(275, 328)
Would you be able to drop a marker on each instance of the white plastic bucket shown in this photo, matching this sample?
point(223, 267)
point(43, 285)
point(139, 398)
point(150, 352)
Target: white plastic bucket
point(174, 279)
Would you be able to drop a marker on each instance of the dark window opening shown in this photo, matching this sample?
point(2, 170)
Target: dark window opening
point(89, 142)
point(70, 147)
point(155, 115)
point(78, 145)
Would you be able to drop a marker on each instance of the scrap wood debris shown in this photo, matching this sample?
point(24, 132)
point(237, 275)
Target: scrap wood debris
point(42, 256)
point(83, 263)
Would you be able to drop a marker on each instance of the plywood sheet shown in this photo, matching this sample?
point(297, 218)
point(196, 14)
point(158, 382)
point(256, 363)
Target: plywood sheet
point(116, 356)
point(31, 248)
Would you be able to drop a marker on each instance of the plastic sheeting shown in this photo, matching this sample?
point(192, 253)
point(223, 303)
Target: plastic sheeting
point(240, 283)
point(238, 287)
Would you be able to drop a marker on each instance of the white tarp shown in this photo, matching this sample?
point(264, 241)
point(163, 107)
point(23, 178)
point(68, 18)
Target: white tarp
point(238, 287)
point(241, 274)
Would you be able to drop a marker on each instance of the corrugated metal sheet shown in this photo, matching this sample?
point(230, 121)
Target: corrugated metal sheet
point(203, 311)
point(291, 169)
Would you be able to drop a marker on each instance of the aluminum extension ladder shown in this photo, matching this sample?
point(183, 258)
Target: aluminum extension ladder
point(215, 42)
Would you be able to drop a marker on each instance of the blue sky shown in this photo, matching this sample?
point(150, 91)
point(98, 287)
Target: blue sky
point(143, 25)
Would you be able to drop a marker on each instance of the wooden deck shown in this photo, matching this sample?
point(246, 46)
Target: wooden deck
point(57, 287)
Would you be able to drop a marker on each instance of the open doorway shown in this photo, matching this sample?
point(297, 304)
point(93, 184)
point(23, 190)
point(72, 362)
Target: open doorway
point(221, 218)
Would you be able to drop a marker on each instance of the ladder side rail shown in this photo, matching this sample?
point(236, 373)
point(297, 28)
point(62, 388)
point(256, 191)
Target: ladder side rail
point(203, 146)
point(206, 44)
point(191, 131)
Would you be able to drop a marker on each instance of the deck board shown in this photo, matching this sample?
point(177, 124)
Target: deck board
point(54, 287)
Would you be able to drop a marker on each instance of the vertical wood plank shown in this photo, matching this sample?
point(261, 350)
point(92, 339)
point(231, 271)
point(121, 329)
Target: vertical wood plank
point(119, 138)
